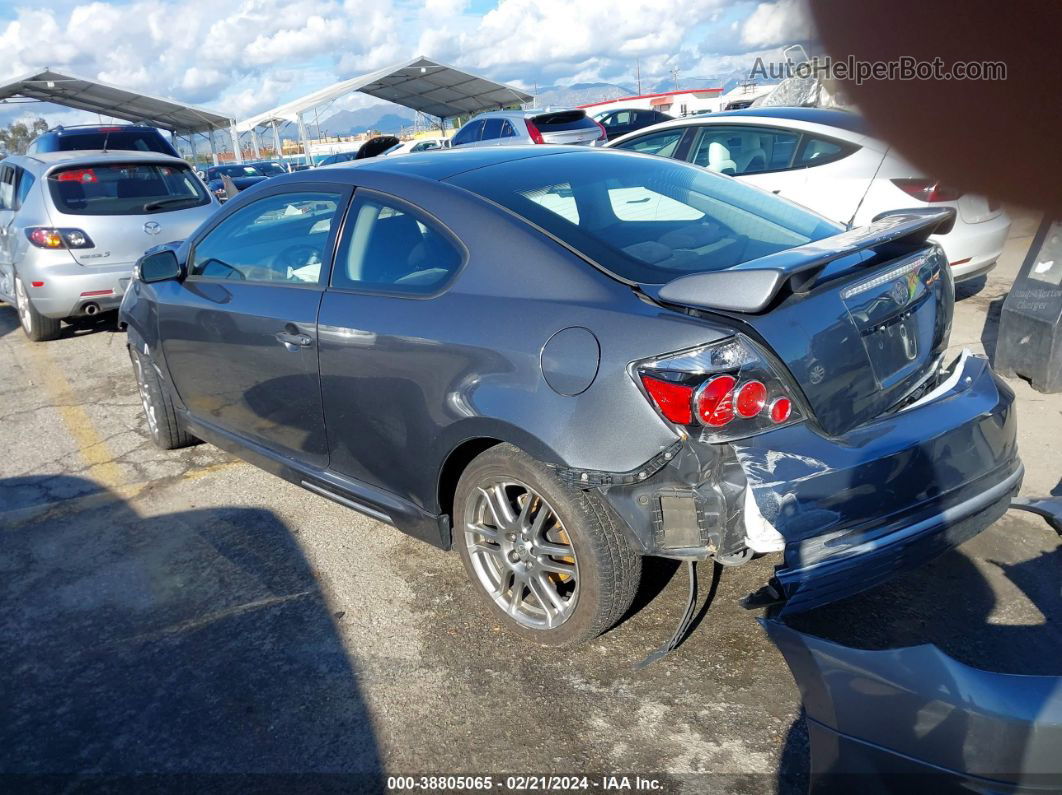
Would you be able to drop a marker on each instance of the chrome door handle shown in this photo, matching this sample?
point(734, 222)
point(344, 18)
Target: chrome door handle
point(293, 340)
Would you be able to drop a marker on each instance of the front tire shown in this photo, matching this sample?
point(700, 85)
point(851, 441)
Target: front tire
point(164, 423)
point(37, 327)
point(551, 561)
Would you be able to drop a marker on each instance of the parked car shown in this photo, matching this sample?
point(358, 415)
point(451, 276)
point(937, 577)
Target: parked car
point(243, 176)
point(418, 145)
point(105, 137)
point(692, 369)
point(73, 223)
point(621, 121)
point(519, 127)
point(828, 161)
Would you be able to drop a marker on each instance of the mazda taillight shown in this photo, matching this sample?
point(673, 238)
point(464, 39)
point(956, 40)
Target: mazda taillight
point(725, 390)
point(927, 190)
point(49, 237)
point(534, 132)
point(604, 133)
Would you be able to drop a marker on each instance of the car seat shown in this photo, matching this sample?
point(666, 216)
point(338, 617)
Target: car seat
point(719, 159)
point(752, 157)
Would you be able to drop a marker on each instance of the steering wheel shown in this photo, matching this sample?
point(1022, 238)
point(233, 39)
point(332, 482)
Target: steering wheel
point(297, 256)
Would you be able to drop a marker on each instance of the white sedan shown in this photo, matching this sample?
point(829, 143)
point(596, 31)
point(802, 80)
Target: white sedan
point(828, 161)
point(418, 145)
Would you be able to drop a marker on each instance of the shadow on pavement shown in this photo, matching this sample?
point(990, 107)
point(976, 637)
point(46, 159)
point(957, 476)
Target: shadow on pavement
point(194, 646)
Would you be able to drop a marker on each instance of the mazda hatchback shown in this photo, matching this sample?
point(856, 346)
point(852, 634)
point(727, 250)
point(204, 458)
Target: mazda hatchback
point(72, 225)
point(559, 360)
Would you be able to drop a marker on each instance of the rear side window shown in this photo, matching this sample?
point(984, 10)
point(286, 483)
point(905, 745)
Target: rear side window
point(125, 189)
point(663, 143)
point(646, 220)
point(819, 151)
point(492, 129)
point(390, 247)
point(135, 140)
point(468, 133)
point(25, 183)
point(744, 150)
point(507, 130)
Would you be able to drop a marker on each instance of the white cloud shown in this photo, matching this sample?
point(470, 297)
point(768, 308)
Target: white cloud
point(779, 23)
point(243, 56)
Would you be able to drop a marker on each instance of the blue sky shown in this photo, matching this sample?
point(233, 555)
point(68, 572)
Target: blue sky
point(244, 56)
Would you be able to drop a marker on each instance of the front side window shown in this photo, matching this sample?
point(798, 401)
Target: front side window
point(663, 143)
point(390, 247)
point(744, 150)
point(646, 220)
point(125, 189)
point(282, 238)
point(7, 187)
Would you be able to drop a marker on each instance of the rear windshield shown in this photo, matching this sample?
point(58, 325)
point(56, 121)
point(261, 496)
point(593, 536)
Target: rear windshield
point(136, 140)
point(646, 219)
point(563, 120)
point(125, 189)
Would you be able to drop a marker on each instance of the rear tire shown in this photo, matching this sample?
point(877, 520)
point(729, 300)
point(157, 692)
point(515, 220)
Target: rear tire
point(164, 423)
point(37, 327)
point(551, 561)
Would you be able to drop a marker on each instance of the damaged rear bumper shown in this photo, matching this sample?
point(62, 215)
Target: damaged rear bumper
point(915, 720)
point(888, 496)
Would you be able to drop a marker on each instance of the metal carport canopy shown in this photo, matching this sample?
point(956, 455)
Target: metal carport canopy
point(90, 95)
point(420, 83)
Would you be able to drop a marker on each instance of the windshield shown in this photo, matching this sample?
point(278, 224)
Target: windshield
point(270, 169)
point(136, 140)
point(125, 189)
point(234, 171)
point(646, 219)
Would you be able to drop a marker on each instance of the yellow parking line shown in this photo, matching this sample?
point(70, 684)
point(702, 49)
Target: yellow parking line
point(92, 449)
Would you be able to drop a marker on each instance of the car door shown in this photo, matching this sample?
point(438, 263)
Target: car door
point(15, 183)
point(379, 326)
point(240, 331)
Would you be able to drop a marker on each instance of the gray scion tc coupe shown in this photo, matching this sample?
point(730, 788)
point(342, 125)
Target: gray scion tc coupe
point(560, 360)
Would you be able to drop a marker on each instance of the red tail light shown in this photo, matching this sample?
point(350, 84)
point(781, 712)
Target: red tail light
point(927, 190)
point(534, 132)
point(727, 389)
point(604, 132)
point(673, 400)
point(48, 237)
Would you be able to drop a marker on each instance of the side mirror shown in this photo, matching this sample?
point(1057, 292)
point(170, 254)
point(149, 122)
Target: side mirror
point(159, 267)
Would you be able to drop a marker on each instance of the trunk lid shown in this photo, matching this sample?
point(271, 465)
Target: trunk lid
point(859, 319)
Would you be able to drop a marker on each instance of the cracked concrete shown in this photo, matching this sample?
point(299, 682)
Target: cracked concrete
point(184, 613)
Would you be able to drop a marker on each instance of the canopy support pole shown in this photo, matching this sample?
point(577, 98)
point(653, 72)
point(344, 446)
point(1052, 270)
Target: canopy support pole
point(276, 140)
point(235, 136)
point(305, 138)
point(213, 146)
point(191, 143)
point(254, 143)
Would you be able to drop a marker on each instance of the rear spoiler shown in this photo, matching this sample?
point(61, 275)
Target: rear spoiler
point(751, 286)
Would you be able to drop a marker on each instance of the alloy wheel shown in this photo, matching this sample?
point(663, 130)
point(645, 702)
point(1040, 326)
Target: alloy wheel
point(145, 397)
point(23, 306)
point(521, 553)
